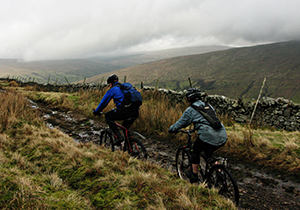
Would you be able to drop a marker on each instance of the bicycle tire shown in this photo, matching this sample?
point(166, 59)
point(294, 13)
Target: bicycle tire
point(220, 178)
point(138, 149)
point(183, 162)
point(106, 139)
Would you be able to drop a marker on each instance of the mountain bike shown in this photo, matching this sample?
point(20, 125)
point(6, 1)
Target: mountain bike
point(130, 144)
point(212, 170)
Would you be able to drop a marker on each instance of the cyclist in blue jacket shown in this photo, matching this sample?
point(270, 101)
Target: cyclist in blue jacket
point(209, 139)
point(129, 115)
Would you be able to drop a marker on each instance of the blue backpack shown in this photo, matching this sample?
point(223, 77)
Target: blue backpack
point(133, 98)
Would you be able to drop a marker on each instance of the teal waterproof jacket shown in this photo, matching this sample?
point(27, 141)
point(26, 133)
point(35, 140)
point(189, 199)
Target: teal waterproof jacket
point(205, 131)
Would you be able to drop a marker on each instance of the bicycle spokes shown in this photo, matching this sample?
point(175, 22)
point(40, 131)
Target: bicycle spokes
point(183, 164)
point(137, 149)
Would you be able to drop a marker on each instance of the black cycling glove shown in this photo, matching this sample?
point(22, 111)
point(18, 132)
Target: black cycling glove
point(171, 131)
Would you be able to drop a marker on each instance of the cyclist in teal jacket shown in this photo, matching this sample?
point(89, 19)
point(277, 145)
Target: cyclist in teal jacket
point(209, 139)
point(129, 115)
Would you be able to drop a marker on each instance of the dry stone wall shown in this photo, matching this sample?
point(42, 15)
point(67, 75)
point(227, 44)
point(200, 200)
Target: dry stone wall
point(71, 87)
point(279, 113)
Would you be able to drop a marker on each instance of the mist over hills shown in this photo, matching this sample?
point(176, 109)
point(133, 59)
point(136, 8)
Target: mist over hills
point(78, 69)
point(236, 72)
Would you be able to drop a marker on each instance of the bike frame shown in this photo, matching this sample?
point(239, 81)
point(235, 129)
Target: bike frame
point(127, 131)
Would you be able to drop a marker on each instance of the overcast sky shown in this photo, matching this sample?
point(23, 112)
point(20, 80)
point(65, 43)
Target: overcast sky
point(59, 29)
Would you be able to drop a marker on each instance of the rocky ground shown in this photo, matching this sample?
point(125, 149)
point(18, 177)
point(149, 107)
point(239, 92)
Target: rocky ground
point(258, 188)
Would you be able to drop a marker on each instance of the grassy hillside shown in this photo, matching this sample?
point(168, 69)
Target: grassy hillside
point(235, 73)
point(78, 69)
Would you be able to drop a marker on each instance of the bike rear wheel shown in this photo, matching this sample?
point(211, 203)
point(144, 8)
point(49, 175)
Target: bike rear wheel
point(106, 139)
point(183, 163)
point(137, 150)
point(220, 178)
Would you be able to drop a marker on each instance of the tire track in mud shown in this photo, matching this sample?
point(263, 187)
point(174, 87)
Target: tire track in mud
point(258, 188)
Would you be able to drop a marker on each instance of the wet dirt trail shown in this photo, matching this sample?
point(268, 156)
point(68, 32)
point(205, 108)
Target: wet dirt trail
point(258, 188)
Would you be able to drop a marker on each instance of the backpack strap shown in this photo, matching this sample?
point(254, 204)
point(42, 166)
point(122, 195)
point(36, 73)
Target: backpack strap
point(118, 85)
point(209, 115)
point(198, 109)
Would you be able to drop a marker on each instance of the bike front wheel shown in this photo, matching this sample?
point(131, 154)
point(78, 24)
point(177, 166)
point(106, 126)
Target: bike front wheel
point(106, 139)
point(183, 163)
point(220, 178)
point(137, 149)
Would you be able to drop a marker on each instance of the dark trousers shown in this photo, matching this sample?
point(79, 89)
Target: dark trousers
point(200, 146)
point(128, 115)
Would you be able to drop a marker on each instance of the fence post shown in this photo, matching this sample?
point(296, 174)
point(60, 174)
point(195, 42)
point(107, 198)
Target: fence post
point(257, 101)
point(124, 79)
point(190, 83)
point(67, 80)
point(156, 85)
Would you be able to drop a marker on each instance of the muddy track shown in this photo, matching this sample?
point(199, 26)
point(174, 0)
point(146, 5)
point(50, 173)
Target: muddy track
point(258, 188)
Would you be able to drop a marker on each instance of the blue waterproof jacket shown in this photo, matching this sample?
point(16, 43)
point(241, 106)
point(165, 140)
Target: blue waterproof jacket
point(205, 131)
point(114, 93)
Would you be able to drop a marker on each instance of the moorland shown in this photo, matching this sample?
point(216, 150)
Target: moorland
point(45, 168)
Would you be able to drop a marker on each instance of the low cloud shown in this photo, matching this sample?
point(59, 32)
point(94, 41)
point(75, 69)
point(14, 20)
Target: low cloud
point(39, 30)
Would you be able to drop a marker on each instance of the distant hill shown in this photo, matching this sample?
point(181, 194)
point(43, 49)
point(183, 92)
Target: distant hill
point(236, 73)
point(78, 69)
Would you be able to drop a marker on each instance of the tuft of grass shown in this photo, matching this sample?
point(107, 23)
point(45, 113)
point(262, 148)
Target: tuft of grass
point(157, 114)
point(15, 111)
point(13, 84)
point(277, 150)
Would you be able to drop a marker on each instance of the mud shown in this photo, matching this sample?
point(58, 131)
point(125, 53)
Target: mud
point(259, 189)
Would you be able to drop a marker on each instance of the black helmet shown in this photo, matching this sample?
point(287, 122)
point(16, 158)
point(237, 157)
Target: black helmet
point(193, 94)
point(112, 78)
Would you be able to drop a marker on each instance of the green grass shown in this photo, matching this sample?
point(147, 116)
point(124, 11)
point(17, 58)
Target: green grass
point(4, 84)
